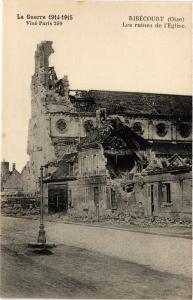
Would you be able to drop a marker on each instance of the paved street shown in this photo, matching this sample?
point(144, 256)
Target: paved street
point(93, 262)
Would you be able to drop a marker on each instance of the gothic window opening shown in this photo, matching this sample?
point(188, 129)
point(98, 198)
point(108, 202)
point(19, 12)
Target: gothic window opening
point(89, 126)
point(51, 78)
point(60, 88)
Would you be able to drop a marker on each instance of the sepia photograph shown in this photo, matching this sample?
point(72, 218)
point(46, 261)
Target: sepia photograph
point(96, 156)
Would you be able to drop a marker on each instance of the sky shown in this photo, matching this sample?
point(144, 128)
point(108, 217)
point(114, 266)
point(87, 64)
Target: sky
point(95, 51)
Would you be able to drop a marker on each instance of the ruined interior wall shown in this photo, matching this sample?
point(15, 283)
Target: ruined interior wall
point(27, 179)
point(92, 162)
point(126, 201)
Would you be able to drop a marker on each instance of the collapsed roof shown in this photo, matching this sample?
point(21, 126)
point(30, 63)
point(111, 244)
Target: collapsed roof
point(114, 135)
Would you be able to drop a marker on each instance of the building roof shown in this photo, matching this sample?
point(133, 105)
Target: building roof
point(14, 181)
point(69, 157)
point(147, 104)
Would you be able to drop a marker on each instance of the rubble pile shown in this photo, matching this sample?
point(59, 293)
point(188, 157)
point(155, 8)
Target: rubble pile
point(118, 218)
point(18, 209)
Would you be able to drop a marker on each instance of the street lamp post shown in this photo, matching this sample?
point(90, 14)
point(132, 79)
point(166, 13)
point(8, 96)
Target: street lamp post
point(41, 246)
point(42, 234)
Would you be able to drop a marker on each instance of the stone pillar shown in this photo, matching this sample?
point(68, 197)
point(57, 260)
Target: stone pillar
point(150, 130)
point(4, 169)
point(174, 132)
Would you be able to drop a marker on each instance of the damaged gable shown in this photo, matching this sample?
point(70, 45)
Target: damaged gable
point(120, 145)
point(114, 135)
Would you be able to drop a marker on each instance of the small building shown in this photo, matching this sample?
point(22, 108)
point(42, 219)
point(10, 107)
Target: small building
point(15, 186)
point(165, 191)
point(10, 180)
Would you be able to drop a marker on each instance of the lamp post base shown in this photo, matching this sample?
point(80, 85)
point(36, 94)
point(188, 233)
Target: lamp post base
point(41, 246)
point(42, 235)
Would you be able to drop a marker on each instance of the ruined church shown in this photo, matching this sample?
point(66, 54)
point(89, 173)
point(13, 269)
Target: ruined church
point(104, 149)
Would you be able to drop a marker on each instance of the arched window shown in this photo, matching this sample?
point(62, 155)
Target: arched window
point(35, 126)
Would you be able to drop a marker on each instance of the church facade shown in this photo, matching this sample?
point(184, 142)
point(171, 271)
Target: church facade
point(91, 142)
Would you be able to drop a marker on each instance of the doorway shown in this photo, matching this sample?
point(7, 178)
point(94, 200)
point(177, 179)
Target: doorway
point(57, 200)
point(96, 200)
point(152, 200)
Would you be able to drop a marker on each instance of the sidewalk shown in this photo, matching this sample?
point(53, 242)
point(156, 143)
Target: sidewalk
point(172, 230)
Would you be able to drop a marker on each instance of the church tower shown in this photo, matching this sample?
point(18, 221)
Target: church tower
point(49, 103)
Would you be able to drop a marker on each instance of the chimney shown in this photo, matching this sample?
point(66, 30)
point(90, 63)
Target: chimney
point(13, 167)
point(4, 169)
